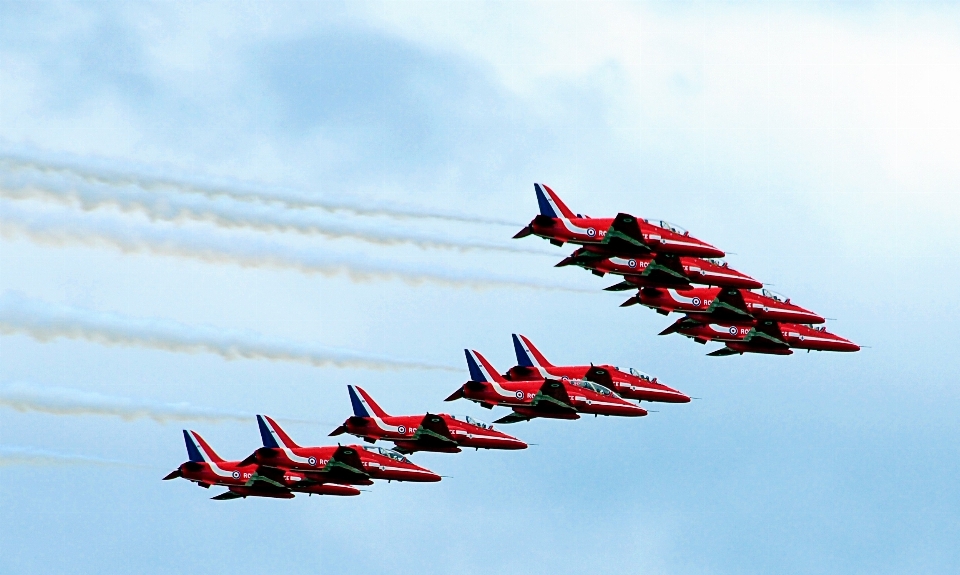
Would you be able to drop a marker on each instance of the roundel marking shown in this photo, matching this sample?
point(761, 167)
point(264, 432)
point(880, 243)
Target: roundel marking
point(519, 394)
point(733, 330)
point(312, 461)
point(801, 338)
point(591, 232)
point(696, 301)
point(565, 378)
point(631, 263)
point(236, 475)
point(402, 429)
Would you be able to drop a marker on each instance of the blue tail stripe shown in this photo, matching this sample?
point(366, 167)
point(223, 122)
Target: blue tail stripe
point(523, 360)
point(193, 451)
point(545, 208)
point(268, 439)
point(358, 409)
point(476, 374)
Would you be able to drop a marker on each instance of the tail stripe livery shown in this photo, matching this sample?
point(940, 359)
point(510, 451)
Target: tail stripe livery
point(273, 436)
point(364, 406)
point(527, 354)
point(200, 452)
point(482, 370)
point(550, 203)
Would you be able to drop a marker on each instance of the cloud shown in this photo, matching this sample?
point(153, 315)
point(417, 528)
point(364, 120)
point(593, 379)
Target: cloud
point(44, 321)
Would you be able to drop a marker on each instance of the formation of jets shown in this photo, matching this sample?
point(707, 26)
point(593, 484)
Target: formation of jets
point(668, 267)
point(534, 388)
point(672, 271)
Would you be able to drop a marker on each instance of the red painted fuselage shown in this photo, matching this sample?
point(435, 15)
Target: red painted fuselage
point(724, 305)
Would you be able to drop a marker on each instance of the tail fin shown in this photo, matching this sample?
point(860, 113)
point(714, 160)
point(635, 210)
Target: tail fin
point(363, 404)
point(272, 435)
point(480, 368)
point(550, 203)
point(527, 354)
point(198, 450)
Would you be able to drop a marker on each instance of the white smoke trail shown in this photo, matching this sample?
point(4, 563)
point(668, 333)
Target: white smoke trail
point(24, 397)
point(10, 455)
point(168, 205)
point(44, 321)
point(112, 173)
point(59, 227)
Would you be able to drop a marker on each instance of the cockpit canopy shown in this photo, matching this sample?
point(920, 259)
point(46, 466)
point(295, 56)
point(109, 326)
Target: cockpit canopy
point(774, 295)
point(636, 373)
point(386, 453)
point(667, 226)
point(472, 421)
point(716, 262)
point(592, 387)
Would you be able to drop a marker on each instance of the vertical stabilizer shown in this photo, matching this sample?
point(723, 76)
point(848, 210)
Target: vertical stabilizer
point(273, 435)
point(526, 352)
point(363, 404)
point(480, 368)
point(198, 449)
point(550, 203)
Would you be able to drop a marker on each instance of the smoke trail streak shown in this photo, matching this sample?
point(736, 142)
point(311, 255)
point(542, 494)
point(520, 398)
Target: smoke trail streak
point(217, 187)
point(224, 212)
point(10, 455)
point(44, 321)
point(63, 228)
point(63, 401)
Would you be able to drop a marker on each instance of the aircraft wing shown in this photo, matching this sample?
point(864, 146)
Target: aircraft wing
point(513, 418)
point(267, 479)
point(345, 466)
point(599, 375)
point(624, 236)
point(667, 270)
point(729, 304)
point(552, 396)
point(433, 430)
point(767, 334)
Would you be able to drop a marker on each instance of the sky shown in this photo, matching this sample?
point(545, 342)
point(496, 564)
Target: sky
point(214, 210)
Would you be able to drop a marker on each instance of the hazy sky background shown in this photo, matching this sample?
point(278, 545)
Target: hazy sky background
point(816, 141)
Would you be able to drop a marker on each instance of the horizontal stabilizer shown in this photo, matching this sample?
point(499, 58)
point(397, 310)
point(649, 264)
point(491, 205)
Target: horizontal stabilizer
point(632, 301)
point(684, 322)
point(724, 351)
point(513, 418)
point(227, 495)
point(455, 395)
point(173, 474)
point(339, 431)
point(622, 286)
point(523, 233)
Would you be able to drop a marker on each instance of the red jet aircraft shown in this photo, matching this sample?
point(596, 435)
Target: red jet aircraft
point(761, 337)
point(242, 479)
point(553, 398)
point(724, 305)
point(440, 432)
point(624, 235)
point(352, 464)
point(629, 383)
point(660, 271)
